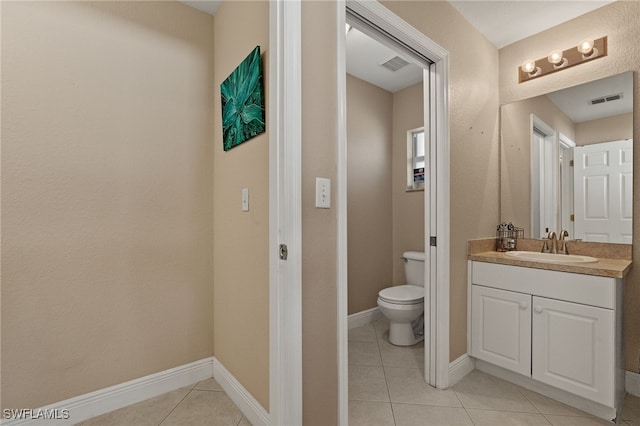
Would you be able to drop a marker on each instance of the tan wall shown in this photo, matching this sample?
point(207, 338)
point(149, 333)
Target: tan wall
point(384, 220)
point(107, 240)
point(619, 21)
point(473, 133)
point(369, 221)
point(241, 245)
point(515, 164)
point(319, 286)
point(606, 129)
point(408, 207)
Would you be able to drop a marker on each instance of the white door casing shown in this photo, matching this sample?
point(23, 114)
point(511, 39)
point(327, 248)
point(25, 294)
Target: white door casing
point(285, 213)
point(566, 184)
point(544, 194)
point(603, 191)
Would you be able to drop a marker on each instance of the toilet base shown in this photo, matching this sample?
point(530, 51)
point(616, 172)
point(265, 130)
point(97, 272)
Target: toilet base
point(401, 334)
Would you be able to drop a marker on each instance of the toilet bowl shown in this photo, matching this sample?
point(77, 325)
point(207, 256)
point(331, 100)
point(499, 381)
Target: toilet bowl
point(404, 304)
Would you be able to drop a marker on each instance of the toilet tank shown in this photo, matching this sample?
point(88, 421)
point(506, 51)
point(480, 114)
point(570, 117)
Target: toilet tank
point(414, 267)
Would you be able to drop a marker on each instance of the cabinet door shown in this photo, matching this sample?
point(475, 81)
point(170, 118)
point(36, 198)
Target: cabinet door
point(573, 348)
point(501, 328)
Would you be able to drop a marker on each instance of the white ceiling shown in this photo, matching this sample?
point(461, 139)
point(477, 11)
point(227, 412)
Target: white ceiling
point(502, 22)
point(208, 6)
point(364, 56)
point(505, 22)
point(574, 101)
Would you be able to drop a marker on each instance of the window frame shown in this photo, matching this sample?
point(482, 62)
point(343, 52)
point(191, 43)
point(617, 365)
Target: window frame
point(413, 159)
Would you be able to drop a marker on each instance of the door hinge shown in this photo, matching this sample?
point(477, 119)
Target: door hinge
point(570, 163)
point(432, 241)
point(284, 252)
point(572, 218)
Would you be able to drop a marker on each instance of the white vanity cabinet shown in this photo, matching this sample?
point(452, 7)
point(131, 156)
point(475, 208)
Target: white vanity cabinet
point(501, 331)
point(557, 328)
point(573, 348)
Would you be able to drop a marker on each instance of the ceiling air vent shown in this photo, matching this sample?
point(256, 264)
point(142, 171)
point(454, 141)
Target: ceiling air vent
point(394, 64)
point(604, 99)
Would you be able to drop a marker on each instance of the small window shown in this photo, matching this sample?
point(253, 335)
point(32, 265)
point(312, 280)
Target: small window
point(415, 159)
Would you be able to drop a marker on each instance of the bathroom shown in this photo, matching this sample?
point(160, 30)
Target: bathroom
point(503, 208)
point(482, 78)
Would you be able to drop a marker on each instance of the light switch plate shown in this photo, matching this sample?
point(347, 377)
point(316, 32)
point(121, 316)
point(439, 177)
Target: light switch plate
point(323, 193)
point(245, 199)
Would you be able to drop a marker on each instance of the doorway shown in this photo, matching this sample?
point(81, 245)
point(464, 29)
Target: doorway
point(379, 23)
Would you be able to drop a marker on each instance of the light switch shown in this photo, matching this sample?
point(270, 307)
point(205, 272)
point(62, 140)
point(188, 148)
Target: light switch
point(245, 199)
point(323, 193)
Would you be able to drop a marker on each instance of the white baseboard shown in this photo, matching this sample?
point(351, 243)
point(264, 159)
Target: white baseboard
point(632, 383)
point(460, 368)
point(252, 410)
point(365, 317)
point(102, 401)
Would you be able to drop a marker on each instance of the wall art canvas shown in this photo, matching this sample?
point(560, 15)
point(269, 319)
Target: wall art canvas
point(243, 113)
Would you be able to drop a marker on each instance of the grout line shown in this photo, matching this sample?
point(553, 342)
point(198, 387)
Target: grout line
point(459, 399)
point(208, 390)
point(469, 415)
point(384, 372)
point(176, 406)
point(513, 411)
point(528, 400)
point(545, 417)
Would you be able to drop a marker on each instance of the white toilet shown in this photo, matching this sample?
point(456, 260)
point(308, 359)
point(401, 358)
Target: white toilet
point(403, 304)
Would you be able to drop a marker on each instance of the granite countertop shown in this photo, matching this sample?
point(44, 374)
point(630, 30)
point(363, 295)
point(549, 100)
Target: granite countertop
point(615, 266)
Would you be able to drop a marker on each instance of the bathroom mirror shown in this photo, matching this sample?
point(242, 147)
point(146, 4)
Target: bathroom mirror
point(566, 161)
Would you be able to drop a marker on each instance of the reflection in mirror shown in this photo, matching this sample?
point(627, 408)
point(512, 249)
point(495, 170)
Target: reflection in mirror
point(566, 161)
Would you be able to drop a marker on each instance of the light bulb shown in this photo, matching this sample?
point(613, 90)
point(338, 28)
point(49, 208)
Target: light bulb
point(529, 66)
point(555, 57)
point(586, 47)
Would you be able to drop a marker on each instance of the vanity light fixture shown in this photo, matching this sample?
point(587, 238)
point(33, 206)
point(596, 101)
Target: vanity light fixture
point(557, 60)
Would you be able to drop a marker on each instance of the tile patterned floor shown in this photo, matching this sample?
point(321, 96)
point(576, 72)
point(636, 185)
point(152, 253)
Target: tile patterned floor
point(204, 403)
point(386, 387)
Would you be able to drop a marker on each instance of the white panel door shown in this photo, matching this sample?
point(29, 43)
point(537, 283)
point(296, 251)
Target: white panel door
point(573, 348)
point(603, 191)
point(501, 328)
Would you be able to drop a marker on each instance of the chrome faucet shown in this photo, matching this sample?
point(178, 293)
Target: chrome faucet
point(554, 243)
point(562, 243)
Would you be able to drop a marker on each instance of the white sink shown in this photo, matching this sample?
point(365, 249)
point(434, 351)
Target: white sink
point(535, 256)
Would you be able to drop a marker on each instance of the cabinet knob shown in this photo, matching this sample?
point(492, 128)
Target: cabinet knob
point(538, 309)
point(524, 305)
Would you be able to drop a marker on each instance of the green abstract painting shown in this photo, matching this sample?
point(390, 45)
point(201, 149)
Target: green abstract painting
point(243, 102)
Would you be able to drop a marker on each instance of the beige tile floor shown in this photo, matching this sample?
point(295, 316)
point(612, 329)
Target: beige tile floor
point(386, 387)
point(204, 403)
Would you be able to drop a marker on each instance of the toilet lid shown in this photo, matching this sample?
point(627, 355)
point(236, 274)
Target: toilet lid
point(402, 294)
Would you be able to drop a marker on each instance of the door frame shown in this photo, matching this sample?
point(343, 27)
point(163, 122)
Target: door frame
point(437, 222)
point(551, 170)
point(285, 213)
